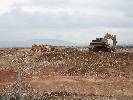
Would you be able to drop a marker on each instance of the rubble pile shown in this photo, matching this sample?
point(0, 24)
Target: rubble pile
point(68, 61)
point(66, 69)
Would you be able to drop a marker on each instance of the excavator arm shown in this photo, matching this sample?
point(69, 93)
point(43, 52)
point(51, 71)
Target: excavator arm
point(109, 36)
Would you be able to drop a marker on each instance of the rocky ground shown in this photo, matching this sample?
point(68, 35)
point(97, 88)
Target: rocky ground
point(73, 72)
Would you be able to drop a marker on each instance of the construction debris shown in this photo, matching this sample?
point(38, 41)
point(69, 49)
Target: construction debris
point(42, 47)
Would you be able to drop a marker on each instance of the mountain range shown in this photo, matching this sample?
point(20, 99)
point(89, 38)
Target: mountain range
point(28, 43)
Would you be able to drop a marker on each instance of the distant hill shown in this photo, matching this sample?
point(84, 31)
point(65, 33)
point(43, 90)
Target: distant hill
point(28, 43)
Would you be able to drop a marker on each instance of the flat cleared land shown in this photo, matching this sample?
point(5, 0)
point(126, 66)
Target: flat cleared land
point(69, 70)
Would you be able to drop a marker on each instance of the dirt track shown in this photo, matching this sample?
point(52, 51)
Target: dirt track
point(69, 70)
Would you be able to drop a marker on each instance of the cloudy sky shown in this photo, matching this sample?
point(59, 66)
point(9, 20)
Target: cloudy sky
point(71, 20)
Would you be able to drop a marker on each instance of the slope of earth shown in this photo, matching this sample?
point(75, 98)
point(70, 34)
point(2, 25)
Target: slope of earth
point(71, 70)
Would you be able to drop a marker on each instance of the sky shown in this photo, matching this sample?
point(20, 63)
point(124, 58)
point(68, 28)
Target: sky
point(77, 21)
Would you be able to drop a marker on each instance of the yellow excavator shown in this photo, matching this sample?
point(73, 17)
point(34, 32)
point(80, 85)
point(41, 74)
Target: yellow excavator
point(101, 44)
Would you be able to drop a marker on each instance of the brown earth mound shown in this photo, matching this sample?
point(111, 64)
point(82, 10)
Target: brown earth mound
point(69, 69)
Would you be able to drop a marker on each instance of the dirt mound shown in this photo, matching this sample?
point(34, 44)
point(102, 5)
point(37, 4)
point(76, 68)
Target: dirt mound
point(69, 61)
point(70, 65)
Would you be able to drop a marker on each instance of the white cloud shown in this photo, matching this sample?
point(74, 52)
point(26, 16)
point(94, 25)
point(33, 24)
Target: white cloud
point(7, 5)
point(72, 20)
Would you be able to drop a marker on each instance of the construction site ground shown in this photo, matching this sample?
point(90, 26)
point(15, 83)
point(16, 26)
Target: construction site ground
point(74, 72)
